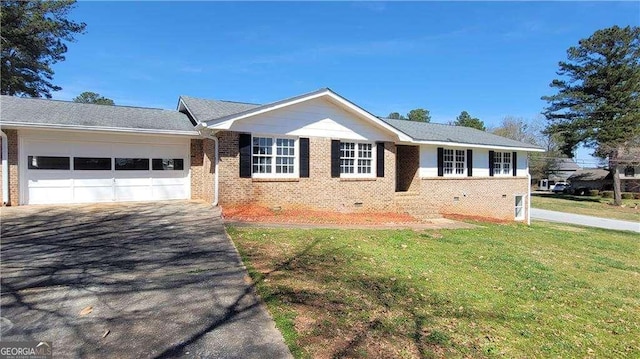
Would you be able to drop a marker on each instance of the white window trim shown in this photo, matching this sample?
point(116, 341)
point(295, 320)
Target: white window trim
point(454, 174)
point(296, 158)
point(374, 152)
point(501, 174)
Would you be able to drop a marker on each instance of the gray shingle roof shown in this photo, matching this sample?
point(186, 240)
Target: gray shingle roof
point(34, 111)
point(590, 174)
point(421, 131)
point(207, 110)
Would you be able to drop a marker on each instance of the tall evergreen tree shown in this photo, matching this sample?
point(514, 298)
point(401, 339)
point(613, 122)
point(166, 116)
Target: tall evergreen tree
point(94, 98)
point(419, 114)
point(598, 98)
point(467, 121)
point(33, 38)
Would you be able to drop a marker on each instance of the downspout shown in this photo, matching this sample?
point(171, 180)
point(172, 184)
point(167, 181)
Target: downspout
point(212, 136)
point(529, 196)
point(5, 168)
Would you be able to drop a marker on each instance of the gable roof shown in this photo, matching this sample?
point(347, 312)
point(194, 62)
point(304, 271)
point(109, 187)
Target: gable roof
point(590, 174)
point(219, 118)
point(564, 164)
point(36, 112)
point(449, 134)
point(204, 110)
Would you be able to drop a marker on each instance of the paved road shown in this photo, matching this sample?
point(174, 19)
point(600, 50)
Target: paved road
point(590, 221)
point(163, 280)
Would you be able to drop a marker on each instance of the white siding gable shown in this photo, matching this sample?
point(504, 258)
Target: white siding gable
point(313, 118)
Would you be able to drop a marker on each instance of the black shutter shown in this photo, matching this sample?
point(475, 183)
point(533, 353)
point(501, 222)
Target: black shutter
point(245, 155)
point(492, 156)
point(304, 157)
point(469, 163)
point(514, 162)
point(380, 159)
point(440, 161)
point(335, 158)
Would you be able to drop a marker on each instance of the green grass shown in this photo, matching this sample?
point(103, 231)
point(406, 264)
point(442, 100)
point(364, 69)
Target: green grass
point(591, 206)
point(510, 291)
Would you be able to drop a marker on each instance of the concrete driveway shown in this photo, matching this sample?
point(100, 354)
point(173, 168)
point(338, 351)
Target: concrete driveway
point(582, 220)
point(163, 280)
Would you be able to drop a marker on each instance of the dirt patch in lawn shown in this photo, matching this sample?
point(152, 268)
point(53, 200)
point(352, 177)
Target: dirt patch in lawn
point(255, 213)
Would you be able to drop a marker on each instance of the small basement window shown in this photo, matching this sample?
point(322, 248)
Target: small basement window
point(92, 164)
point(132, 164)
point(167, 164)
point(49, 163)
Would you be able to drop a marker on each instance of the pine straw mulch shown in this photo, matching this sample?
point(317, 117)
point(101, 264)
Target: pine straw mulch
point(256, 213)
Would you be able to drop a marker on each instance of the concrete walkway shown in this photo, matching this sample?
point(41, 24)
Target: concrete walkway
point(582, 220)
point(140, 280)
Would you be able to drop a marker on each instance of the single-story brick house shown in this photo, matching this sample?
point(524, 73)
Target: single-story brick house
point(317, 150)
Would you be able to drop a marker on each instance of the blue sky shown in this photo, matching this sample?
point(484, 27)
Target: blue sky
point(492, 59)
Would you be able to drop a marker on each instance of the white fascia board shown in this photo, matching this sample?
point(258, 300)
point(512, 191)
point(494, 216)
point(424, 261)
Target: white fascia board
point(461, 144)
point(19, 125)
point(225, 125)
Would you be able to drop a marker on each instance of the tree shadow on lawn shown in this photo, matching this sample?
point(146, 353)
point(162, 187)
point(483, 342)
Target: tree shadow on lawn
point(371, 313)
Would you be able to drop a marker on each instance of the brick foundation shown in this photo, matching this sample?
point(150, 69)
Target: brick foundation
point(475, 196)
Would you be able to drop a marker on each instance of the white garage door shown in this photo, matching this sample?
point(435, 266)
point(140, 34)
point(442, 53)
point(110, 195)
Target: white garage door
point(85, 168)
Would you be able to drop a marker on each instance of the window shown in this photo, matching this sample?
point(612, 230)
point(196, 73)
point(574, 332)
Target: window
point(356, 158)
point(519, 208)
point(273, 156)
point(629, 171)
point(91, 163)
point(502, 163)
point(285, 155)
point(49, 163)
point(453, 161)
point(132, 164)
point(167, 164)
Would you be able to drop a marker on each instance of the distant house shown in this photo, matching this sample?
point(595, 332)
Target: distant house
point(591, 178)
point(629, 162)
point(317, 150)
point(559, 171)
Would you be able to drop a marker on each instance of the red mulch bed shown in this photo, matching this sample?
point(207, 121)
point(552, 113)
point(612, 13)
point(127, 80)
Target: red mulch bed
point(462, 217)
point(255, 213)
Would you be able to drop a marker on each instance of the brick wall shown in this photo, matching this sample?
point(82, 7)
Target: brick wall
point(319, 191)
point(407, 168)
point(202, 169)
point(473, 196)
point(12, 140)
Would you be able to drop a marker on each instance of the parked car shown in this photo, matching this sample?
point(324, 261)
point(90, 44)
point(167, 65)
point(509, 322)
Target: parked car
point(560, 187)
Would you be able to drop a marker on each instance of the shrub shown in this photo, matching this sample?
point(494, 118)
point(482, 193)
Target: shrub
point(593, 192)
point(606, 194)
point(627, 195)
point(636, 195)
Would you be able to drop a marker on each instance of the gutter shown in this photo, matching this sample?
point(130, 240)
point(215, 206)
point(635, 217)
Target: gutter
point(212, 136)
point(529, 196)
point(5, 168)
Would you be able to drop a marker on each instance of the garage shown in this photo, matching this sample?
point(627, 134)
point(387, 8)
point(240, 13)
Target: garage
point(69, 167)
point(57, 152)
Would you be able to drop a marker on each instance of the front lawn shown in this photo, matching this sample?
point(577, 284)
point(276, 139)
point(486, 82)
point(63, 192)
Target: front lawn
point(590, 206)
point(511, 291)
